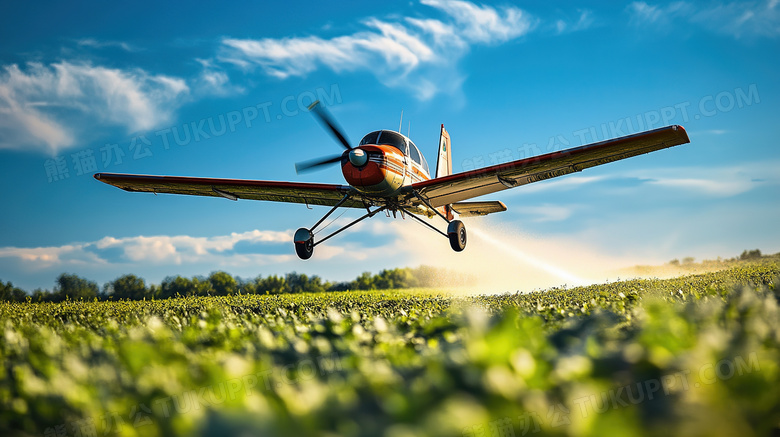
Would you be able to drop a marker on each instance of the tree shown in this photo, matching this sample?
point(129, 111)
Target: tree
point(301, 283)
point(70, 286)
point(127, 287)
point(10, 293)
point(272, 285)
point(395, 278)
point(222, 284)
point(750, 254)
point(39, 295)
point(364, 282)
point(248, 286)
point(174, 286)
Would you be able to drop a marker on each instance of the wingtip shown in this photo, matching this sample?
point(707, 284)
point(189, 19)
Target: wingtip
point(681, 130)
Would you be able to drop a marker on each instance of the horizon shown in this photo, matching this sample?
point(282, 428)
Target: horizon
point(678, 264)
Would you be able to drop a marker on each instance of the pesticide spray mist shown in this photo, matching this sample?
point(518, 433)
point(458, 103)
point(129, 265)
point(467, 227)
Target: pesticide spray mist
point(504, 259)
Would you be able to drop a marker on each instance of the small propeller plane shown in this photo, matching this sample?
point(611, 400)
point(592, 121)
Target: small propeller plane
point(387, 172)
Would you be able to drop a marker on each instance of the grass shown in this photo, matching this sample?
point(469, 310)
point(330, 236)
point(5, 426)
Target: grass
point(695, 355)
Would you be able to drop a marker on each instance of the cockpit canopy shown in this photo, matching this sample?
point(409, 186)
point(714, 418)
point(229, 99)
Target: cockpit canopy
point(399, 142)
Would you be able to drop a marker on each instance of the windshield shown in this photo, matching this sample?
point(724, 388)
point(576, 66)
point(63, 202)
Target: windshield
point(370, 138)
point(399, 142)
point(393, 139)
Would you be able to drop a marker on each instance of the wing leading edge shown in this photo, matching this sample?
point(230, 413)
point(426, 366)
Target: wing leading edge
point(462, 186)
point(234, 189)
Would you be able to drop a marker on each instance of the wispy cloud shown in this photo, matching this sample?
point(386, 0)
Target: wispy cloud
point(706, 186)
point(93, 43)
point(585, 20)
point(712, 181)
point(40, 104)
point(741, 19)
point(644, 13)
point(483, 24)
point(724, 181)
point(413, 53)
point(213, 80)
point(738, 18)
point(546, 213)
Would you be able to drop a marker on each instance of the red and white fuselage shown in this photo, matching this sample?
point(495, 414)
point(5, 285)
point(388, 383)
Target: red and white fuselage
point(383, 163)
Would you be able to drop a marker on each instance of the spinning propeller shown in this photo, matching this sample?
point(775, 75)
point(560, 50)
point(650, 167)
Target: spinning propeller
point(335, 130)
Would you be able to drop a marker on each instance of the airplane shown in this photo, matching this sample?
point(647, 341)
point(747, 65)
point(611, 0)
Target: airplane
point(387, 172)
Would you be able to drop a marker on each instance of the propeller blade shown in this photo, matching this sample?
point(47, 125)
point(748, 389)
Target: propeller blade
point(305, 166)
point(325, 118)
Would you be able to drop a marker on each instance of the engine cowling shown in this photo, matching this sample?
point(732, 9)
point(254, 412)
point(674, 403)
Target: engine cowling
point(374, 169)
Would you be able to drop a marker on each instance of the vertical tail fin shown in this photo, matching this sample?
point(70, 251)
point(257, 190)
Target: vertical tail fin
point(444, 158)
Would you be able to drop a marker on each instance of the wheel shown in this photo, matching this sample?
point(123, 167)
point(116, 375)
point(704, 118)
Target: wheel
point(304, 243)
point(456, 231)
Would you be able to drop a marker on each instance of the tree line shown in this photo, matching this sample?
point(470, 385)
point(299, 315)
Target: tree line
point(219, 283)
point(744, 256)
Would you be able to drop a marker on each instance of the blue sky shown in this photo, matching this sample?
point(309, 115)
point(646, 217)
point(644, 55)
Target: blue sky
point(216, 90)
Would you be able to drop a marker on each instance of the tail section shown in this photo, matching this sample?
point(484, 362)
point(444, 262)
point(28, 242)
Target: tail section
point(444, 158)
point(444, 167)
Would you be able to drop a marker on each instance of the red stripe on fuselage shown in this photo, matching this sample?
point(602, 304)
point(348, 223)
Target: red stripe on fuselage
point(383, 173)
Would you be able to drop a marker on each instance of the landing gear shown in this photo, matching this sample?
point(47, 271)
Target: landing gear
point(304, 238)
point(304, 243)
point(456, 232)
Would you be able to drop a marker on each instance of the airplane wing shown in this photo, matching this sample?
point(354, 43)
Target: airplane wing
point(462, 186)
point(234, 189)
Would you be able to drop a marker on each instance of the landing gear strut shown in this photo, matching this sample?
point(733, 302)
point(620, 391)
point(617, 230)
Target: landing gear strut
point(456, 230)
point(304, 238)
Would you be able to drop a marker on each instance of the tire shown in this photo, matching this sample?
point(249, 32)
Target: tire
point(304, 243)
point(456, 231)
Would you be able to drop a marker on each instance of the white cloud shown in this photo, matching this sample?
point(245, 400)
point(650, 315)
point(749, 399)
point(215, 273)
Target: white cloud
point(737, 18)
point(643, 12)
point(711, 181)
point(741, 19)
point(414, 53)
point(483, 23)
point(706, 186)
point(213, 80)
point(93, 43)
point(161, 249)
point(585, 21)
point(708, 181)
point(40, 256)
point(40, 105)
point(546, 212)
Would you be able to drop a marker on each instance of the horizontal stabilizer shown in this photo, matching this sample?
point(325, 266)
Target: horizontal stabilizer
point(471, 209)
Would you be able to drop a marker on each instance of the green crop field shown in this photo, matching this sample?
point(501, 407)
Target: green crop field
point(696, 355)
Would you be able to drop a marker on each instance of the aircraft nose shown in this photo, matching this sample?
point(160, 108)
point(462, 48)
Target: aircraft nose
point(358, 157)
